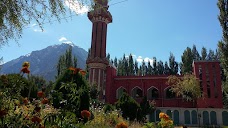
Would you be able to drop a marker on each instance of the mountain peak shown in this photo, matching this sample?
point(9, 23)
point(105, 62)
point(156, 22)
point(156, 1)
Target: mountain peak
point(69, 43)
point(43, 62)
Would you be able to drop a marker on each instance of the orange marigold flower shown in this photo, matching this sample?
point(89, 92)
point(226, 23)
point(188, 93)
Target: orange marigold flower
point(40, 94)
point(166, 117)
point(36, 119)
point(45, 101)
point(26, 64)
point(121, 125)
point(25, 70)
point(85, 114)
point(75, 70)
point(161, 115)
point(3, 113)
point(82, 72)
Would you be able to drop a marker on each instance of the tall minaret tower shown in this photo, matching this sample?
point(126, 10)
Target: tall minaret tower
point(97, 62)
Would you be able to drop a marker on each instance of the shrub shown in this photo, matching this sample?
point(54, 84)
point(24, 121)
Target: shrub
point(129, 107)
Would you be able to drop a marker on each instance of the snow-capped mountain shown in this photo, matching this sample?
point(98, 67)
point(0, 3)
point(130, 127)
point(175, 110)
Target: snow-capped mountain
point(43, 62)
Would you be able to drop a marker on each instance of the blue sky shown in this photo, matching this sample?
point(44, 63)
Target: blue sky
point(144, 28)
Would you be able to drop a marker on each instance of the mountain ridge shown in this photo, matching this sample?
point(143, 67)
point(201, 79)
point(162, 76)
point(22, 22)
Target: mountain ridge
point(43, 62)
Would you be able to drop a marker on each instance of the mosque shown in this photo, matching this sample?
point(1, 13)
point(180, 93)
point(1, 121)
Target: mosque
point(206, 111)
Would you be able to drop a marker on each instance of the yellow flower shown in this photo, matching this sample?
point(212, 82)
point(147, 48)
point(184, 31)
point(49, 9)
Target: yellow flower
point(26, 64)
point(161, 115)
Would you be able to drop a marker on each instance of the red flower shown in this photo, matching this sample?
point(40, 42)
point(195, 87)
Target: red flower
point(36, 119)
point(37, 109)
point(3, 113)
point(40, 94)
point(44, 101)
point(121, 125)
point(25, 100)
point(25, 70)
point(85, 114)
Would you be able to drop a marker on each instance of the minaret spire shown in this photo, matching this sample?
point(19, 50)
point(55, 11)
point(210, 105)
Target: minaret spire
point(97, 62)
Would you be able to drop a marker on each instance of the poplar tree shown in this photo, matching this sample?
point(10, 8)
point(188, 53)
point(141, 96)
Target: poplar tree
point(65, 61)
point(136, 68)
point(195, 53)
point(187, 59)
point(223, 44)
point(203, 53)
point(173, 65)
point(131, 65)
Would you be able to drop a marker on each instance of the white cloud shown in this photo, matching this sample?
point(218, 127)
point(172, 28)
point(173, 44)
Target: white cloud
point(76, 6)
point(33, 25)
point(139, 59)
point(37, 30)
point(62, 39)
point(148, 59)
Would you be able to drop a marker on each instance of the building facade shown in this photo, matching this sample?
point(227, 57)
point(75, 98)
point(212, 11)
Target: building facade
point(205, 111)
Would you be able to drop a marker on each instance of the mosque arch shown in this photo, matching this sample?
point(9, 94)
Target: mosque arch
point(152, 93)
point(137, 92)
point(120, 91)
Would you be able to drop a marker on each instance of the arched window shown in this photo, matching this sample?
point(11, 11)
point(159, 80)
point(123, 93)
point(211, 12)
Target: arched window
point(205, 118)
point(213, 118)
point(119, 92)
point(137, 92)
point(168, 93)
point(186, 117)
point(152, 93)
point(225, 118)
point(176, 117)
point(194, 117)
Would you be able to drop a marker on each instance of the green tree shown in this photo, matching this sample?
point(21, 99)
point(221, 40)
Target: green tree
point(155, 69)
point(143, 68)
point(211, 55)
point(146, 107)
point(15, 15)
point(149, 68)
point(195, 53)
point(203, 53)
point(223, 45)
point(136, 67)
point(131, 65)
point(129, 107)
point(160, 68)
point(187, 86)
point(71, 92)
point(65, 61)
point(166, 68)
point(115, 62)
point(187, 59)
point(173, 65)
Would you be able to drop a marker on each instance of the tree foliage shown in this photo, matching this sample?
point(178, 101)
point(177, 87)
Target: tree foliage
point(15, 15)
point(65, 61)
point(71, 92)
point(188, 86)
point(223, 44)
point(129, 107)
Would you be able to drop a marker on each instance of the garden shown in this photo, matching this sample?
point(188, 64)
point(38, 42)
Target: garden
point(27, 101)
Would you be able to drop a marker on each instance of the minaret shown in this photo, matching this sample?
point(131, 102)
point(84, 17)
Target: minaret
point(97, 62)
